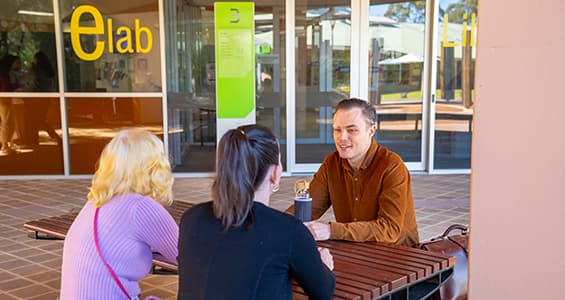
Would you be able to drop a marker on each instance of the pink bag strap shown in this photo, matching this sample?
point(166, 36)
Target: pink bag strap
point(114, 276)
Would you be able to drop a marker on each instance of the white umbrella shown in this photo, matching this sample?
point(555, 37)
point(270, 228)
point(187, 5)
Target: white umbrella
point(404, 59)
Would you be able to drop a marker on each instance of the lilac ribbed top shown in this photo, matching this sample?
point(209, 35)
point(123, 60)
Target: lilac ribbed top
point(130, 228)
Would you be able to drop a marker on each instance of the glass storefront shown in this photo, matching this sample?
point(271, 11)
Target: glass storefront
point(75, 72)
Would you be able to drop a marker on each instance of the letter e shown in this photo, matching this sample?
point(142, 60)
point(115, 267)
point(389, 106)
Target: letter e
point(77, 30)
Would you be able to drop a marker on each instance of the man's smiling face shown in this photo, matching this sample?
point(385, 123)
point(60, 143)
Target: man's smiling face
point(352, 135)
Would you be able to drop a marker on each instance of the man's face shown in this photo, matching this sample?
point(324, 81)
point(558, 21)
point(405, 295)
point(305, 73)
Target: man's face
point(352, 135)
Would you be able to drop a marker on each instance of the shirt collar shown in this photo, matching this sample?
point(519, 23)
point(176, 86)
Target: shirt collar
point(366, 161)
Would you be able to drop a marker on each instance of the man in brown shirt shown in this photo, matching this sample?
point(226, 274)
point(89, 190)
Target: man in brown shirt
point(367, 184)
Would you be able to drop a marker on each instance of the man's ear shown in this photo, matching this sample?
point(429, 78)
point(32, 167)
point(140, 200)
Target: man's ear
point(373, 129)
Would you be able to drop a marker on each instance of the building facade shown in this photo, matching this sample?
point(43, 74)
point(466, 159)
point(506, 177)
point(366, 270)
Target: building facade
point(85, 69)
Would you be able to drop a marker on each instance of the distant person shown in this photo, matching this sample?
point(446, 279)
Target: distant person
point(8, 83)
point(40, 78)
point(122, 223)
point(236, 247)
point(367, 185)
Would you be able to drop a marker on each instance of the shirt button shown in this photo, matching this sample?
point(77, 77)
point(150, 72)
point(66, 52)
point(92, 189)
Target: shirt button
point(356, 199)
point(354, 219)
point(355, 178)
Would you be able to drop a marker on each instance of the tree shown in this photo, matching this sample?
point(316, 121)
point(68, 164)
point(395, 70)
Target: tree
point(415, 11)
point(412, 12)
point(456, 11)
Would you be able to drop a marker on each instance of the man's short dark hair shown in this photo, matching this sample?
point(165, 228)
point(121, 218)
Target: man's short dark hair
point(368, 110)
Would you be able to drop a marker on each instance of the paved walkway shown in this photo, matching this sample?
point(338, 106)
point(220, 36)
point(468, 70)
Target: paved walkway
point(31, 269)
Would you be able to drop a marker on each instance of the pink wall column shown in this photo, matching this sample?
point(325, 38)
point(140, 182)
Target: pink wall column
point(518, 163)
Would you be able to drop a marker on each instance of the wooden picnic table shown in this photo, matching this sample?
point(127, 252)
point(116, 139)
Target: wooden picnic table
point(370, 270)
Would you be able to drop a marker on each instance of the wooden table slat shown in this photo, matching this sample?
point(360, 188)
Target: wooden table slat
point(372, 290)
point(413, 271)
point(355, 292)
point(381, 266)
point(387, 277)
point(415, 252)
point(379, 287)
point(411, 254)
point(39, 226)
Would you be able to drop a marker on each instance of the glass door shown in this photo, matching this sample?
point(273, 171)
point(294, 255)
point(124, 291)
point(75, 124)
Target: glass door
point(329, 37)
point(322, 75)
point(454, 88)
point(396, 44)
point(191, 80)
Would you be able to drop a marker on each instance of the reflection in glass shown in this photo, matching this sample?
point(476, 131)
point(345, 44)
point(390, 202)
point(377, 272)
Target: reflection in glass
point(455, 84)
point(27, 31)
point(270, 65)
point(192, 84)
point(323, 45)
point(35, 143)
point(93, 122)
point(396, 59)
point(124, 55)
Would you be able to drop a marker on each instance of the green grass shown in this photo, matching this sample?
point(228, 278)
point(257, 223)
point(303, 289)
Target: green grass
point(417, 95)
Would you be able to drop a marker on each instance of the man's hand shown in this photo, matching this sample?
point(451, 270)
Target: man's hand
point(327, 258)
point(319, 231)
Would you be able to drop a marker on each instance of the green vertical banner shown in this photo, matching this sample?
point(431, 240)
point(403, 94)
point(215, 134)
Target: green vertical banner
point(235, 64)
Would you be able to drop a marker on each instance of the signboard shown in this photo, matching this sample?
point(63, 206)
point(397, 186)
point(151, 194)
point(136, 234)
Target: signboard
point(121, 39)
point(235, 64)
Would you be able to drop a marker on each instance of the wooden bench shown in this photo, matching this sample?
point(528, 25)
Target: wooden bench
point(370, 270)
point(58, 226)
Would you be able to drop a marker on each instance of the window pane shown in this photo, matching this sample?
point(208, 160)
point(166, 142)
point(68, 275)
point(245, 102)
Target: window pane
point(323, 46)
point(191, 86)
point(27, 32)
point(121, 55)
point(455, 84)
point(93, 122)
point(34, 135)
point(191, 82)
point(396, 62)
point(270, 66)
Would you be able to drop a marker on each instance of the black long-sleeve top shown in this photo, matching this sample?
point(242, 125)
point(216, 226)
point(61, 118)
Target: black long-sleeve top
point(248, 262)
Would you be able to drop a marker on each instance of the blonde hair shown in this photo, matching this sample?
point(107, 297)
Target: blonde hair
point(133, 162)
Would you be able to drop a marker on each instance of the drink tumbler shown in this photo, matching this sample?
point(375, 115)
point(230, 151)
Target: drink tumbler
point(303, 208)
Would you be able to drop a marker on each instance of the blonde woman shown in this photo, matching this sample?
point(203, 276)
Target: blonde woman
point(109, 246)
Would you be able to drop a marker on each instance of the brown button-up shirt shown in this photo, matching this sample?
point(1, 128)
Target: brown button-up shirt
point(373, 203)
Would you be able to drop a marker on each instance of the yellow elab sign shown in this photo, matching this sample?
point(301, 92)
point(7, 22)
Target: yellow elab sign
point(124, 44)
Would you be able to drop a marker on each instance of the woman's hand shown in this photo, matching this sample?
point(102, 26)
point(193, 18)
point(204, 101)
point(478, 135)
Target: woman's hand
point(327, 257)
point(320, 231)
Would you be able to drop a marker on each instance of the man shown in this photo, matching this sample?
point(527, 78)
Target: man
point(367, 184)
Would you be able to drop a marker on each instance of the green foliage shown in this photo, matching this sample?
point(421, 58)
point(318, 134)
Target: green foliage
point(21, 44)
point(457, 10)
point(411, 12)
point(415, 11)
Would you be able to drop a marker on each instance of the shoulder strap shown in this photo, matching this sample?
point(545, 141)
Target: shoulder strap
point(114, 276)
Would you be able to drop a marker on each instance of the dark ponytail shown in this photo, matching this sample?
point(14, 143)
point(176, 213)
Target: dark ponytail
point(243, 159)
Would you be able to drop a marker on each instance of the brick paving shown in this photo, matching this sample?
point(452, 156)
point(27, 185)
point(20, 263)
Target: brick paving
point(31, 269)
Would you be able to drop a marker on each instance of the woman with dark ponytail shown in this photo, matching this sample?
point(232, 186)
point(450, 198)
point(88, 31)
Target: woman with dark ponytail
point(236, 247)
